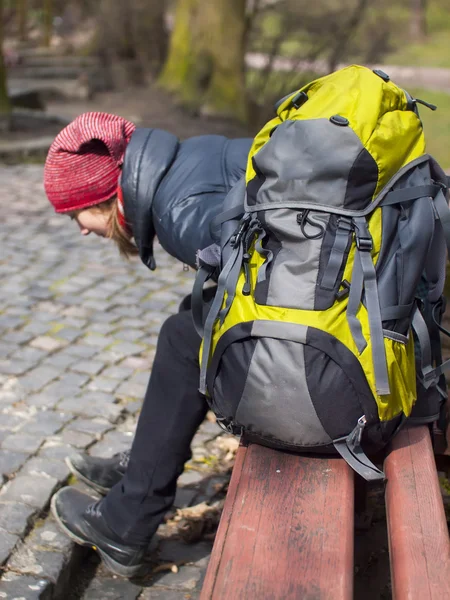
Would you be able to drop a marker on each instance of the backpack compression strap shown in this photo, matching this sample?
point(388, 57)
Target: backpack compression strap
point(364, 274)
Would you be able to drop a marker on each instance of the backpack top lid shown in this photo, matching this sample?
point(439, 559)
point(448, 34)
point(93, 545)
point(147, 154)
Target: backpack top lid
point(338, 141)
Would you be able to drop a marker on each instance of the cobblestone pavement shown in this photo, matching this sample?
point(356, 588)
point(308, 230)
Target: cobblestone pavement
point(78, 328)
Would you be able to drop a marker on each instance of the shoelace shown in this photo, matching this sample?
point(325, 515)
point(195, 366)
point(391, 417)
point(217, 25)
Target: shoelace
point(93, 510)
point(124, 458)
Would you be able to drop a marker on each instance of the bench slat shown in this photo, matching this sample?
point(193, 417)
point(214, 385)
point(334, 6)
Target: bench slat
point(417, 529)
point(286, 530)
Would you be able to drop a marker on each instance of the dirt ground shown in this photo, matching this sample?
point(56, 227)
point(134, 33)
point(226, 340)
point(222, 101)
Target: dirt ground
point(148, 106)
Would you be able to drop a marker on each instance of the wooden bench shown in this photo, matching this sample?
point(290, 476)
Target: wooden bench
point(419, 546)
point(287, 528)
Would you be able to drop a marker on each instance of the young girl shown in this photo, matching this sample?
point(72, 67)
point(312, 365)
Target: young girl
point(130, 185)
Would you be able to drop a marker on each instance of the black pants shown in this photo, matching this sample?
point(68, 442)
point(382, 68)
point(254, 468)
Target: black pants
point(172, 411)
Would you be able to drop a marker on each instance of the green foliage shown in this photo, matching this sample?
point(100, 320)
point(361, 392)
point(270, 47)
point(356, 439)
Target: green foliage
point(309, 30)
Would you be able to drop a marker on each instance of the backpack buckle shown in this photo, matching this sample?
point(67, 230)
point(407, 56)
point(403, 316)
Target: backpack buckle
point(364, 244)
point(341, 293)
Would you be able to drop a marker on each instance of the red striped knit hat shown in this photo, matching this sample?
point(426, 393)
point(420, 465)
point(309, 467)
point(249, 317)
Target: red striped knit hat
point(84, 162)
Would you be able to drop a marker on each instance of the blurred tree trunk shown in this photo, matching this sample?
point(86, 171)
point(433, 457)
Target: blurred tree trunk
point(48, 22)
point(205, 65)
point(22, 14)
point(181, 72)
point(5, 106)
point(149, 33)
point(418, 22)
point(132, 31)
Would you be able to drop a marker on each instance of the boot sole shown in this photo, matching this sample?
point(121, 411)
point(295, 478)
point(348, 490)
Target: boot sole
point(95, 486)
point(111, 564)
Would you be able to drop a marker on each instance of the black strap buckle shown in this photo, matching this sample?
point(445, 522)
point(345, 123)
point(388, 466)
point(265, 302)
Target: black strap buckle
point(341, 293)
point(364, 244)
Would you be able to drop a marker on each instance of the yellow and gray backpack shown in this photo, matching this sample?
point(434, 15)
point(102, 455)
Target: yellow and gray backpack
point(323, 334)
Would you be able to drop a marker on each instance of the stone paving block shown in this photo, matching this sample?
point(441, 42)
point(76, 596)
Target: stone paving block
point(76, 311)
point(29, 561)
point(45, 423)
point(112, 589)
point(69, 334)
point(128, 335)
point(93, 426)
point(43, 400)
point(85, 406)
point(7, 397)
point(128, 348)
point(89, 367)
point(50, 537)
point(103, 384)
point(37, 378)
point(181, 553)
point(15, 518)
point(48, 343)
point(22, 442)
point(72, 380)
point(128, 389)
point(59, 359)
point(103, 328)
point(10, 462)
point(118, 372)
point(97, 340)
point(10, 322)
point(82, 350)
point(28, 354)
point(77, 439)
point(7, 543)
point(38, 466)
point(17, 337)
point(25, 588)
point(190, 477)
point(127, 311)
point(16, 367)
point(132, 406)
point(113, 442)
point(186, 579)
point(135, 363)
point(33, 491)
point(184, 497)
point(54, 449)
point(5, 350)
point(11, 422)
point(37, 328)
point(109, 356)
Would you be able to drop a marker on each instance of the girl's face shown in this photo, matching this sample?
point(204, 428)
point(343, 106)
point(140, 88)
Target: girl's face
point(91, 220)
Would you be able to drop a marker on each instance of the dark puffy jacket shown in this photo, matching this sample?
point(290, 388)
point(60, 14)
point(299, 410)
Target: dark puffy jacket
point(173, 189)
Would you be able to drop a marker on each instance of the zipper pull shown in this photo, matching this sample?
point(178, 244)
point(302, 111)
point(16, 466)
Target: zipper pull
point(356, 434)
point(246, 287)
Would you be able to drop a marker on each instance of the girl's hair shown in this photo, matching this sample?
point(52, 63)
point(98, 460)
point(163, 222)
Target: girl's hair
point(116, 232)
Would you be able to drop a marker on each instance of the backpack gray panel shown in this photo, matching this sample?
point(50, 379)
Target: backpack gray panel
point(307, 161)
point(407, 241)
point(294, 273)
point(275, 401)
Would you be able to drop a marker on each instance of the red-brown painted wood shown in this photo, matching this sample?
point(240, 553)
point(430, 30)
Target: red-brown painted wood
point(286, 531)
point(419, 544)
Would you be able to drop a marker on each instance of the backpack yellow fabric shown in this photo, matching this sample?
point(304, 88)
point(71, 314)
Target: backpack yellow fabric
point(309, 343)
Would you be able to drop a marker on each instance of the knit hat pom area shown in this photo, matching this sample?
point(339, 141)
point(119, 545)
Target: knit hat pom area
point(85, 159)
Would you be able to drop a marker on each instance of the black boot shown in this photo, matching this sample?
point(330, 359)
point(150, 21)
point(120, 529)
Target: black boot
point(80, 517)
point(101, 474)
